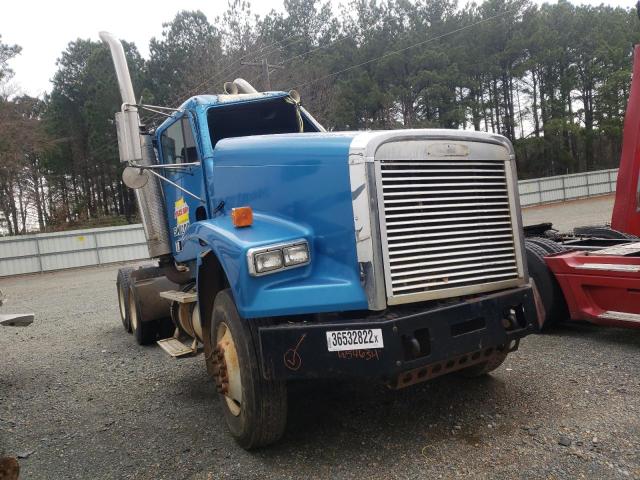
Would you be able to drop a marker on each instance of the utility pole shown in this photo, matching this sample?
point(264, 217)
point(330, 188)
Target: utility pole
point(267, 69)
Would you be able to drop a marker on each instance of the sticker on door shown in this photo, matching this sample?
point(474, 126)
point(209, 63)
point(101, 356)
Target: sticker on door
point(181, 214)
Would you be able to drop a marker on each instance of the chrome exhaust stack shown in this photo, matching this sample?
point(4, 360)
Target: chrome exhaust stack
point(136, 148)
point(242, 86)
point(230, 88)
point(122, 69)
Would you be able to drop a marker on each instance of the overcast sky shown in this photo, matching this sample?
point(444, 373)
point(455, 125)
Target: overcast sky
point(44, 28)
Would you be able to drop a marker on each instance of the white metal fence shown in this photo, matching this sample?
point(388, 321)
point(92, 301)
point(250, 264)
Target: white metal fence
point(567, 187)
point(75, 248)
point(96, 246)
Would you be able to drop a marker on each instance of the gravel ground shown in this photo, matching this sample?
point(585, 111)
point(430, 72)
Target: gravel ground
point(79, 399)
point(576, 213)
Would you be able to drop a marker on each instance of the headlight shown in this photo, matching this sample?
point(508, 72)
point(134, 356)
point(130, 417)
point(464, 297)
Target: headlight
point(274, 258)
point(267, 261)
point(296, 254)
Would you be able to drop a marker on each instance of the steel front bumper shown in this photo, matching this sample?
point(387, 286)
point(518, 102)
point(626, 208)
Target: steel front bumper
point(418, 343)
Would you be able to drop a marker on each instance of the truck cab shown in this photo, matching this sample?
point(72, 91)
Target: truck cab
point(190, 135)
point(297, 253)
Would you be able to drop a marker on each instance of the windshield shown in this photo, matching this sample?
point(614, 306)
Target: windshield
point(265, 117)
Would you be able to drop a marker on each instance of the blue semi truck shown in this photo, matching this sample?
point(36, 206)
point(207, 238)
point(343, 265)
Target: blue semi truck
point(287, 252)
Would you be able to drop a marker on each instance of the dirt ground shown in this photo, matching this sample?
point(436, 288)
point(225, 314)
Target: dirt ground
point(79, 399)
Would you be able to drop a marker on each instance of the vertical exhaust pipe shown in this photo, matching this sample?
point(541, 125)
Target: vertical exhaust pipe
point(243, 86)
point(230, 88)
point(138, 148)
point(120, 64)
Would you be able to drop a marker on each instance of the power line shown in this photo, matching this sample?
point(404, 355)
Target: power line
point(265, 70)
point(216, 77)
point(179, 98)
point(219, 76)
point(330, 44)
point(277, 44)
point(388, 54)
point(278, 47)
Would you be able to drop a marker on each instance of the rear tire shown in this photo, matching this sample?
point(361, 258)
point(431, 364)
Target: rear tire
point(551, 295)
point(148, 332)
point(123, 285)
point(258, 416)
point(603, 231)
point(548, 245)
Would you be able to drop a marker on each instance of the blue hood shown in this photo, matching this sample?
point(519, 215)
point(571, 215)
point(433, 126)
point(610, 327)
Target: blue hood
point(298, 178)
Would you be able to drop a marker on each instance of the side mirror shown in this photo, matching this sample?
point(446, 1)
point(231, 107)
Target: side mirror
point(135, 177)
point(128, 129)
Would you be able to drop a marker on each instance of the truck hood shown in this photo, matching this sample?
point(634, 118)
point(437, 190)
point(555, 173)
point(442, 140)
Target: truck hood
point(299, 178)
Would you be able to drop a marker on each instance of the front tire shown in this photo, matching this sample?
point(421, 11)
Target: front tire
point(255, 409)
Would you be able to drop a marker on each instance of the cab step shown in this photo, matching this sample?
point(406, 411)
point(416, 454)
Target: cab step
point(180, 297)
point(174, 346)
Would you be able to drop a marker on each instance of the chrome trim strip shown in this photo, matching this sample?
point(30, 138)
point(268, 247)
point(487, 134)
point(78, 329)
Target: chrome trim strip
point(367, 234)
point(608, 267)
point(622, 316)
point(386, 259)
point(455, 292)
point(516, 212)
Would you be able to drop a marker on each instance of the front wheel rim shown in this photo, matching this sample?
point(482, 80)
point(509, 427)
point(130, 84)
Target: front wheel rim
point(233, 389)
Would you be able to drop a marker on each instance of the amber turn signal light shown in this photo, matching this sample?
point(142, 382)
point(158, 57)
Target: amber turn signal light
point(242, 217)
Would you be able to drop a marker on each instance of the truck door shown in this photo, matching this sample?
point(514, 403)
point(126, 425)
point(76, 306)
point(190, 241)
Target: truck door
point(178, 146)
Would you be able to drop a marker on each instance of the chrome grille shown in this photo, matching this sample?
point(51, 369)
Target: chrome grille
point(446, 224)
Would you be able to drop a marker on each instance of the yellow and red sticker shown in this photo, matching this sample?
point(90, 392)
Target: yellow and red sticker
point(181, 214)
point(181, 211)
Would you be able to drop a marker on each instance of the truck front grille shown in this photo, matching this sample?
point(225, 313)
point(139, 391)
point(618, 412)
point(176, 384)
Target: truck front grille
point(446, 224)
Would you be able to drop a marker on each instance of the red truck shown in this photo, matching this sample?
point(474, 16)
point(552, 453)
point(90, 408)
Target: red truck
point(594, 274)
